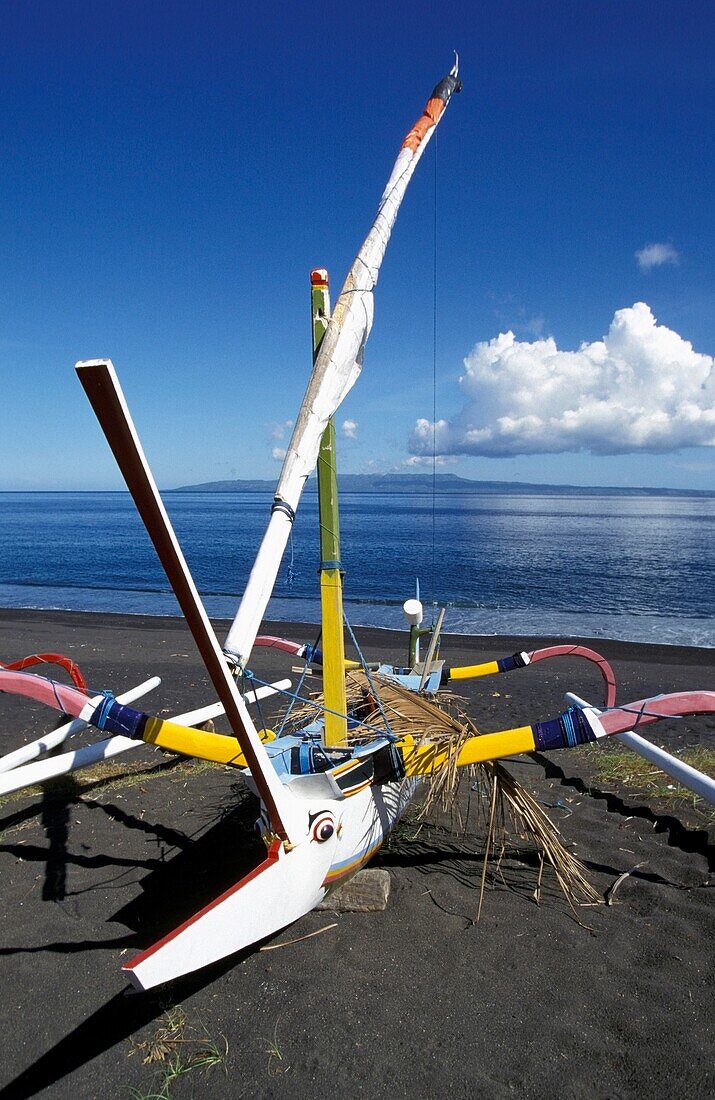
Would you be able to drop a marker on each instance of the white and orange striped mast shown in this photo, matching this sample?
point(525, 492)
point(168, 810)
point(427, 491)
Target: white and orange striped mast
point(336, 369)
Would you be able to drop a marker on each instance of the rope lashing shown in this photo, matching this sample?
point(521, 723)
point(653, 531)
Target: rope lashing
point(507, 664)
point(101, 713)
point(283, 506)
point(566, 731)
point(233, 663)
point(117, 718)
point(641, 712)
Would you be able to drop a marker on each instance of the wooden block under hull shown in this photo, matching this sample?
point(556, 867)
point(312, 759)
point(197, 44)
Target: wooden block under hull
point(365, 892)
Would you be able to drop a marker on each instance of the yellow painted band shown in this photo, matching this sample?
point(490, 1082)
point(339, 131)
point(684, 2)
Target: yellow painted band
point(191, 742)
point(331, 599)
point(426, 759)
point(470, 672)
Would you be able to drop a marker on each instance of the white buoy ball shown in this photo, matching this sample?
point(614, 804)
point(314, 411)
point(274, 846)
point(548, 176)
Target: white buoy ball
point(413, 611)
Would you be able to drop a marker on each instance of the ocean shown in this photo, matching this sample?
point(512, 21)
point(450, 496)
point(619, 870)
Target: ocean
point(612, 566)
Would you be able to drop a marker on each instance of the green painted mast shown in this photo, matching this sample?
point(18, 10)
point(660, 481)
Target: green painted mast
point(331, 582)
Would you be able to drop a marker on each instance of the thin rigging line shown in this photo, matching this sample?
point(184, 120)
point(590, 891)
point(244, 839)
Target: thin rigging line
point(434, 381)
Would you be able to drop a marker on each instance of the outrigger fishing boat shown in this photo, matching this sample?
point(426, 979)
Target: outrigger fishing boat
point(338, 776)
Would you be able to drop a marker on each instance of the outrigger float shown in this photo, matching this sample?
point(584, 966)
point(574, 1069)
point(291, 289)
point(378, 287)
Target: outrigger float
point(331, 787)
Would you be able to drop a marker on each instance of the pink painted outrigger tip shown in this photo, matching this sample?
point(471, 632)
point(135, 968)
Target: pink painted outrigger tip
point(679, 704)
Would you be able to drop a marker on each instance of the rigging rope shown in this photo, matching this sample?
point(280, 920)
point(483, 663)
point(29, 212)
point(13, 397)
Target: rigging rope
point(373, 689)
point(320, 707)
point(304, 673)
point(434, 383)
point(291, 574)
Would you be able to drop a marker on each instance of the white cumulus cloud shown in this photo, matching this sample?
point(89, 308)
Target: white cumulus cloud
point(350, 429)
point(426, 461)
point(655, 255)
point(279, 430)
point(278, 453)
point(641, 388)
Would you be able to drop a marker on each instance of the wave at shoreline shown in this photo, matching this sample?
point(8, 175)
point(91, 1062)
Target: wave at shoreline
point(460, 619)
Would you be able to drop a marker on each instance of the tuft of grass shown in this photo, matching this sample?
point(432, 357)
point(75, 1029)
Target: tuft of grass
point(108, 776)
point(615, 763)
point(274, 1052)
point(166, 1049)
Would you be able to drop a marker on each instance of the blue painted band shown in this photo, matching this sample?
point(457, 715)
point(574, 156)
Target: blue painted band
point(117, 718)
point(312, 655)
point(566, 731)
point(507, 664)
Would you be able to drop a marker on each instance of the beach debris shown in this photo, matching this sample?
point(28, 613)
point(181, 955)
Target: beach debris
point(611, 891)
point(298, 939)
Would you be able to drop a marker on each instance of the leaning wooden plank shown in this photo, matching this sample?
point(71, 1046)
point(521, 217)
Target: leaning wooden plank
point(102, 387)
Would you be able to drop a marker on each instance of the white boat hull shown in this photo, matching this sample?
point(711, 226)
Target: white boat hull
point(288, 884)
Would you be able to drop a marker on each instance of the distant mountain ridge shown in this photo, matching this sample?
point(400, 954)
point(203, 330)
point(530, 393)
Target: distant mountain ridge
point(444, 483)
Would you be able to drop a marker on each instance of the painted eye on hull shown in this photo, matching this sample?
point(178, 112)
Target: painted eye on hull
point(323, 828)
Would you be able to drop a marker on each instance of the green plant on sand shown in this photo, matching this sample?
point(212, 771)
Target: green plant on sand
point(615, 763)
point(169, 1050)
point(274, 1052)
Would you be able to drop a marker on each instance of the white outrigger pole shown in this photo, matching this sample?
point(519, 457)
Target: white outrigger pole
point(336, 369)
point(25, 769)
point(18, 758)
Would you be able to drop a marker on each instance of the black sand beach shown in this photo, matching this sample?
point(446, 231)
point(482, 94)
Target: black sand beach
point(415, 1001)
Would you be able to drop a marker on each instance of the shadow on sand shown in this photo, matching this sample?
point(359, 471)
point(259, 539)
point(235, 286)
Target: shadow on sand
point(171, 892)
point(690, 841)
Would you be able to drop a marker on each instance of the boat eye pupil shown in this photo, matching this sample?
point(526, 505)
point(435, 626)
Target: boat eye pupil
point(323, 829)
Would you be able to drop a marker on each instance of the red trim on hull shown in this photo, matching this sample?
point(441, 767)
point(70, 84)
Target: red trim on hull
point(270, 859)
point(49, 659)
point(271, 642)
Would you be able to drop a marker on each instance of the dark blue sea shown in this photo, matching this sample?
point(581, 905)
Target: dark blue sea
point(638, 568)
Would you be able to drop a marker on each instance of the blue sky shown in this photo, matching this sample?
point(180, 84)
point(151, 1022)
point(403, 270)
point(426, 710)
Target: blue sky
point(172, 173)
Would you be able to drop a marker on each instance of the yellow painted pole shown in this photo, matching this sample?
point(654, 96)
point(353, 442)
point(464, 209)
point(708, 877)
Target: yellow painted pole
point(426, 758)
point(331, 582)
point(193, 742)
point(471, 672)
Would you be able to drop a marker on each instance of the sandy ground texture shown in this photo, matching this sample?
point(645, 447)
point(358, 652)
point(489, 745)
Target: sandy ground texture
point(418, 1000)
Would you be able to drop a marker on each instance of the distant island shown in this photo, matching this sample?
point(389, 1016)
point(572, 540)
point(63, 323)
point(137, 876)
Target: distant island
point(404, 484)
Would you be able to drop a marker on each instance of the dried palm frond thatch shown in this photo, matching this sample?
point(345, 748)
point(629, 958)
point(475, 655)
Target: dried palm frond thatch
point(509, 809)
